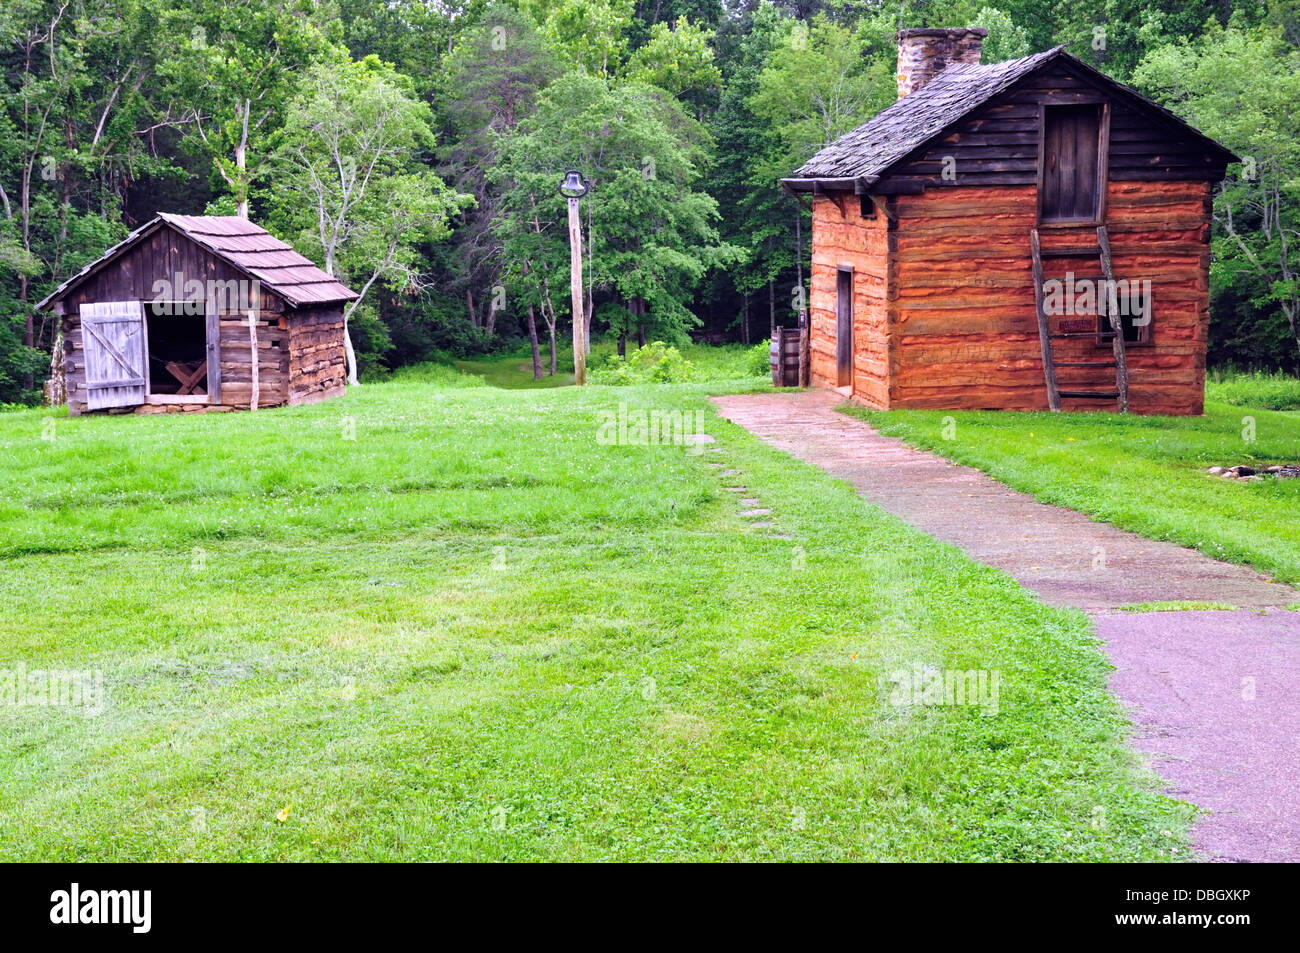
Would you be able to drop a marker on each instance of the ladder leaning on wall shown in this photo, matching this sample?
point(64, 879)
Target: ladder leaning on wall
point(1045, 335)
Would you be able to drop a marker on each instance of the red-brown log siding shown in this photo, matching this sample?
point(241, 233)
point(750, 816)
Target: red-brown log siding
point(845, 238)
point(956, 327)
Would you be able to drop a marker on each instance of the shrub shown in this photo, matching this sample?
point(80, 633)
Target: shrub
point(657, 363)
point(759, 359)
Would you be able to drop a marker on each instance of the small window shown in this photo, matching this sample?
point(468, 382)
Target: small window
point(1136, 330)
point(1070, 186)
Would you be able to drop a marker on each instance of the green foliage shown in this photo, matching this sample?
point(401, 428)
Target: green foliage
point(348, 185)
point(1241, 86)
point(589, 35)
point(652, 234)
point(656, 363)
point(678, 59)
point(235, 68)
point(817, 85)
point(759, 359)
point(1006, 40)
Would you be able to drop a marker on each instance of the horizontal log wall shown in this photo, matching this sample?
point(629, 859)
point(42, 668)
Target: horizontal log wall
point(317, 364)
point(997, 144)
point(843, 237)
point(963, 328)
point(272, 360)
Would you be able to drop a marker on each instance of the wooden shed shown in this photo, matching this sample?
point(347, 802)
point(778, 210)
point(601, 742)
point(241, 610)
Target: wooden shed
point(194, 313)
point(977, 244)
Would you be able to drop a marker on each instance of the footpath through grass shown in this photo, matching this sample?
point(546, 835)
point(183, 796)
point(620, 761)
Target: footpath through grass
point(1144, 474)
point(474, 632)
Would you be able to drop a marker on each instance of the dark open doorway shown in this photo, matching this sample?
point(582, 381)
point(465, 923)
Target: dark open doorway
point(178, 349)
point(844, 327)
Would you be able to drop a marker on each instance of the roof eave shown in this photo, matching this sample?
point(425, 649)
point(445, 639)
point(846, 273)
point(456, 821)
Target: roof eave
point(855, 183)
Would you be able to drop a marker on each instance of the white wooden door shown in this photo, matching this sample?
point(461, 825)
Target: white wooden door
point(113, 338)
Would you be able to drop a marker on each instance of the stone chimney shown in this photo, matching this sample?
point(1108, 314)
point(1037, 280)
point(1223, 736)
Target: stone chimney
point(924, 53)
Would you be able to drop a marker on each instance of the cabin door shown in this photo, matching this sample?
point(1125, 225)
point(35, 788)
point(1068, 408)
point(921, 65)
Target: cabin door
point(844, 327)
point(1073, 169)
point(113, 340)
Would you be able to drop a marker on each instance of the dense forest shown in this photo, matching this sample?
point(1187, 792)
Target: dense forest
point(414, 147)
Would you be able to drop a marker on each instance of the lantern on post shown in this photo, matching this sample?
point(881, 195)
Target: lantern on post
point(573, 188)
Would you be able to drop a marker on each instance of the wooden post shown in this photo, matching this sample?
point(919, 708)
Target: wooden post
point(1116, 323)
point(252, 343)
point(1044, 329)
point(805, 355)
point(575, 288)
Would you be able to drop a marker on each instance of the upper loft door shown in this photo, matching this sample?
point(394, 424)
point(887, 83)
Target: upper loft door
point(1072, 170)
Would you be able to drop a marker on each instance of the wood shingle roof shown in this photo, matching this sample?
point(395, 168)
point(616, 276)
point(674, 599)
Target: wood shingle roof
point(860, 158)
point(248, 247)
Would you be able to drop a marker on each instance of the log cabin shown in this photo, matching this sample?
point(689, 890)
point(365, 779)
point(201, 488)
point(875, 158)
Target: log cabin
point(1023, 235)
point(198, 313)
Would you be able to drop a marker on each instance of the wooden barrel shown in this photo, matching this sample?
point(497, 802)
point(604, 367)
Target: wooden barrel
point(785, 355)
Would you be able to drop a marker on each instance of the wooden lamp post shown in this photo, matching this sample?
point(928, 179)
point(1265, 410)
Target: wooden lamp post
point(573, 188)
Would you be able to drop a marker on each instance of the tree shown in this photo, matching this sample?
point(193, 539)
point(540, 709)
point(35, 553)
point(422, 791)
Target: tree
point(652, 234)
point(586, 34)
point(74, 134)
point(1006, 40)
point(235, 68)
point(349, 183)
point(1241, 86)
point(680, 60)
point(492, 80)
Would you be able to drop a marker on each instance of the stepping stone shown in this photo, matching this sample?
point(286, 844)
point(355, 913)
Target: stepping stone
point(756, 512)
point(730, 472)
point(759, 525)
point(734, 489)
point(691, 438)
point(749, 501)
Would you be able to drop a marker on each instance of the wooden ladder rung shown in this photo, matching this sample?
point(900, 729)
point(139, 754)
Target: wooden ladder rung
point(1076, 251)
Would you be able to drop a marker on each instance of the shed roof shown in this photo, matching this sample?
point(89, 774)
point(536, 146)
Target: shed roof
point(242, 244)
point(861, 157)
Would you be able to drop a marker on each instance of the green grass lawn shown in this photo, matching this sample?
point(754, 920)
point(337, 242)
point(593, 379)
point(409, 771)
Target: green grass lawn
point(473, 632)
point(1145, 474)
point(1270, 391)
point(515, 372)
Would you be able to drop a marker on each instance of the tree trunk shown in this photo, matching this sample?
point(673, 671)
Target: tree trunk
point(744, 322)
point(532, 339)
point(554, 364)
point(29, 328)
point(350, 354)
point(771, 308)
